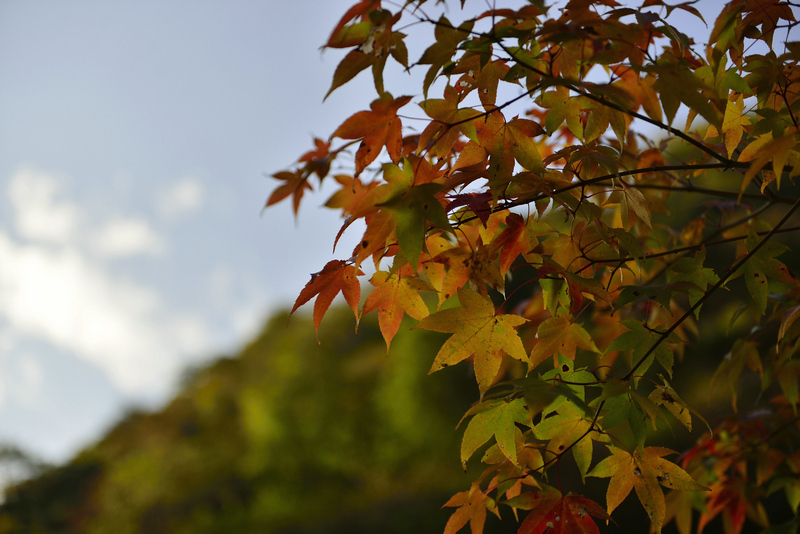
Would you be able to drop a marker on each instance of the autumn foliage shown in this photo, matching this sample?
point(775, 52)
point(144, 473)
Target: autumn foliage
point(573, 196)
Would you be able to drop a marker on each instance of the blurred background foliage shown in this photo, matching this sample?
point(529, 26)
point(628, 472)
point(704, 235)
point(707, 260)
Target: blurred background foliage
point(295, 437)
point(288, 436)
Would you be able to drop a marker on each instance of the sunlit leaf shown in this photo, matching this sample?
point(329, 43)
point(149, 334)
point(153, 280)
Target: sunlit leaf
point(477, 330)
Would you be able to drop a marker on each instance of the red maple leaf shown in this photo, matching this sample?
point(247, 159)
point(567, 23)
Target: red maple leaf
point(556, 514)
point(377, 128)
point(337, 275)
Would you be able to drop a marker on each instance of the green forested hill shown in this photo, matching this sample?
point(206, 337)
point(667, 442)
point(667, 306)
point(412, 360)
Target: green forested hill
point(289, 436)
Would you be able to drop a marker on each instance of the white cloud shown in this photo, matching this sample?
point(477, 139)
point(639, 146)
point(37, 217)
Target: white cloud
point(185, 196)
point(61, 297)
point(54, 288)
point(126, 237)
point(39, 216)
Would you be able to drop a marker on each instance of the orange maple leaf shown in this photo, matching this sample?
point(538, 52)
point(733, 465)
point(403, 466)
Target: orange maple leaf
point(560, 335)
point(361, 9)
point(296, 185)
point(337, 275)
point(377, 128)
point(395, 294)
point(476, 265)
point(319, 158)
point(728, 496)
point(512, 241)
point(472, 506)
point(477, 330)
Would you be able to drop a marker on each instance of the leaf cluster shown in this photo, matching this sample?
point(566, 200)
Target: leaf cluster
point(529, 211)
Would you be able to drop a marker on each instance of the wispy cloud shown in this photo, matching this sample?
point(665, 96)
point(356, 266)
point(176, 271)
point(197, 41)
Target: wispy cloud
point(185, 196)
point(56, 287)
point(40, 216)
point(126, 237)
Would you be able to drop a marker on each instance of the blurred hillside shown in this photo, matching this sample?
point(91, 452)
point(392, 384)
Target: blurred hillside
point(289, 436)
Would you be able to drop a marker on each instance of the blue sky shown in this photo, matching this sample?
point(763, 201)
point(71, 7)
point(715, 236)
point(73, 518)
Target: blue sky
point(135, 138)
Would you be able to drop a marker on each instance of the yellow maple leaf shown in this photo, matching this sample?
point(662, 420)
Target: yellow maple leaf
point(477, 330)
point(734, 122)
point(643, 471)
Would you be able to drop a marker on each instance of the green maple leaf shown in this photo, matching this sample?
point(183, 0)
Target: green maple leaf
point(568, 427)
point(624, 409)
point(762, 265)
point(640, 340)
point(563, 107)
point(442, 51)
point(691, 270)
point(412, 210)
point(496, 418)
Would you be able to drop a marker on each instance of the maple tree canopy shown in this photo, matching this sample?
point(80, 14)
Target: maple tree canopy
point(575, 194)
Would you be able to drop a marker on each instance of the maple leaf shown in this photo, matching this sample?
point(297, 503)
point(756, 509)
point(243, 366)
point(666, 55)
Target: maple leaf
point(762, 265)
point(449, 122)
point(764, 150)
point(568, 427)
point(477, 203)
point(494, 418)
point(353, 197)
point(640, 339)
point(666, 396)
point(691, 270)
point(441, 51)
point(481, 77)
point(476, 265)
point(556, 514)
point(377, 128)
point(520, 133)
point(318, 159)
point(584, 211)
point(374, 41)
point(643, 471)
point(412, 210)
point(559, 335)
point(472, 506)
point(296, 185)
point(726, 496)
point(733, 123)
point(336, 276)
point(477, 330)
point(767, 14)
point(565, 249)
point(401, 206)
point(641, 89)
point(624, 409)
point(512, 241)
point(678, 85)
point(360, 9)
point(353, 63)
point(563, 107)
point(395, 294)
point(743, 352)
